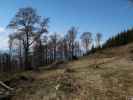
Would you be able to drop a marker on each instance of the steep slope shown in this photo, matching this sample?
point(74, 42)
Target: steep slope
point(106, 75)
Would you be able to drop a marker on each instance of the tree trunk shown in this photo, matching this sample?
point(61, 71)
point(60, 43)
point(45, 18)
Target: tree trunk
point(72, 51)
point(27, 65)
point(46, 55)
point(54, 53)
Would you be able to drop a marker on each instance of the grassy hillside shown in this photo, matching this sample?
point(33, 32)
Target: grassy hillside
point(106, 75)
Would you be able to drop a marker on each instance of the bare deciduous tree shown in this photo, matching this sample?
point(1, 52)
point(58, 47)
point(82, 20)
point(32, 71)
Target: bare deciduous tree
point(71, 36)
point(45, 43)
point(86, 38)
point(31, 26)
point(54, 39)
point(98, 39)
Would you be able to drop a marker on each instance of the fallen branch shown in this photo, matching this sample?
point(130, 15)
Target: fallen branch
point(5, 86)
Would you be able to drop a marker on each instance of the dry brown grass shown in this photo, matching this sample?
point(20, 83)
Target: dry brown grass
point(111, 80)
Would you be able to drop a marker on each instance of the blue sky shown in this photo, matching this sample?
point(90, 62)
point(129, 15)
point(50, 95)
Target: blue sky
point(105, 16)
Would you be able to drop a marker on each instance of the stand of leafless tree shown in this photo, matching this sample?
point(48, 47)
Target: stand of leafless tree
point(30, 46)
